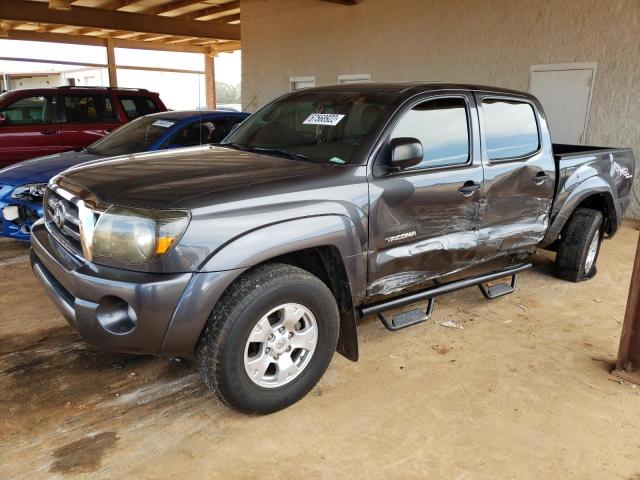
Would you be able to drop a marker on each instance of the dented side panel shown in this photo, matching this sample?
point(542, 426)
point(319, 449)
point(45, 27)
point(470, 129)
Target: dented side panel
point(421, 225)
point(423, 228)
point(516, 204)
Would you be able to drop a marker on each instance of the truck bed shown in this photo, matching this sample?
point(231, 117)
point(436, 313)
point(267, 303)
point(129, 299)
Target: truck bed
point(562, 150)
point(582, 170)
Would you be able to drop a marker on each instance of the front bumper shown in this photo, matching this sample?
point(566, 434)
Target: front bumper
point(125, 311)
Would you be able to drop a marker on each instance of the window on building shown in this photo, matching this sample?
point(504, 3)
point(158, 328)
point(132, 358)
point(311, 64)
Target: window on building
point(136, 106)
point(30, 110)
point(89, 108)
point(510, 128)
point(354, 78)
point(298, 83)
point(442, 127)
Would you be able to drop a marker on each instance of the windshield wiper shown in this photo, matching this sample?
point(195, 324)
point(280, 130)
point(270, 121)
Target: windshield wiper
point(235, 146)
point(281, 152)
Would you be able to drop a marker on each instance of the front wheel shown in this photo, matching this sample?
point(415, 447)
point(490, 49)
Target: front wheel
point(269, 339)
point(579, 246)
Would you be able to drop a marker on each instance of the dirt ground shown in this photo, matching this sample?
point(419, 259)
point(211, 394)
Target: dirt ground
point(522, 392)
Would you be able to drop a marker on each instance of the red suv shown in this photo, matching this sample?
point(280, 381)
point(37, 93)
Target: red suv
point(36, 122)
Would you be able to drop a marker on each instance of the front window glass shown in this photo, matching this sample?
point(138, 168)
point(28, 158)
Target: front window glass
point(441, 125)
point(30, 110)
point(133, 137)
point(321, 126)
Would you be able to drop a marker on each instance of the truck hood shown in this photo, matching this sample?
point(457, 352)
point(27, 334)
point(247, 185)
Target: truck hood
point(42, 169)
point(164, 179)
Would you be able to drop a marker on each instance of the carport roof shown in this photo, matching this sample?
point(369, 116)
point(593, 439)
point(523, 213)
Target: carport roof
point(204, 26)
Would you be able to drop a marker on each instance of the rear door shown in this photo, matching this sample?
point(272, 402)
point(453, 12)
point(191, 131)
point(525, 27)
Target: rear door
point(87, 117)
point(135, 106)
point(29, 129)
point(422, 220)
point(519, 172)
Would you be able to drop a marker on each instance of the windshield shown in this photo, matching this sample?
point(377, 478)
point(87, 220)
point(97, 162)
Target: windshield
point(322, 126)
point(133, 137)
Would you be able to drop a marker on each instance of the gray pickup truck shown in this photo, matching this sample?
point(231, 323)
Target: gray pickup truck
point(258, 256)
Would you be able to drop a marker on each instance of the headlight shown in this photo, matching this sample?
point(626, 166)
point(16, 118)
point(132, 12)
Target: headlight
point(30, 191)
point(135, 236)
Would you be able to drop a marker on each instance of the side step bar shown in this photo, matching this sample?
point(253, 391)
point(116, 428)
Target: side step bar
point(499, 290)
point(412, 318)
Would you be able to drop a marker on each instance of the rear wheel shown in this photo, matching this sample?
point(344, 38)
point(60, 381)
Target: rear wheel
point(269, 339)
point(579, 246)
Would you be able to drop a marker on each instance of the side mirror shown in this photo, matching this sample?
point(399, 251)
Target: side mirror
point(3, 119)
point(406, 152)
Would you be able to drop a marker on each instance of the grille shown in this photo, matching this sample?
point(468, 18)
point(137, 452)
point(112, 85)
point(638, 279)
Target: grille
point(61, 216)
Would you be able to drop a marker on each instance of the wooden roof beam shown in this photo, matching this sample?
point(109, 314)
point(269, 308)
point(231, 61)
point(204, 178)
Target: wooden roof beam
point(226, 19)
point(4, 29)
point(342, 2)
point(117, 4)
point(101, 42)
point(218, 47)
point(222, 10)
point(22, 10)
point(173, 6)
point(60, 4)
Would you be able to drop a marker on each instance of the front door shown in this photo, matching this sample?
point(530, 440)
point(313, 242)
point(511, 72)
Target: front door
point(28, 129)
point(422, 220)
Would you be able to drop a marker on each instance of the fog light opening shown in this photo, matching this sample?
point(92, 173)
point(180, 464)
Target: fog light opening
point(116, 316)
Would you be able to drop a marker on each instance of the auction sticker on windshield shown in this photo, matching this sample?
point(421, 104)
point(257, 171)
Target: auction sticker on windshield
point(163, 123)
point(330, 119)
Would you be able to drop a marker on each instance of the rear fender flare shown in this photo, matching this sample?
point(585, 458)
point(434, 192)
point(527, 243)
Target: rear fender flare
point(589, 188)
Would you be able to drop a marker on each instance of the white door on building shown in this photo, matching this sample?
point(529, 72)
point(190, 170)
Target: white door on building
point(565, 93)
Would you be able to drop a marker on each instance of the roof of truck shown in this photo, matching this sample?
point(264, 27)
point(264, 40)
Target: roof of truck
point(405, 88)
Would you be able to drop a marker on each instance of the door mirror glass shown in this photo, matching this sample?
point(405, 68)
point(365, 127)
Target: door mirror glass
point(406, 152)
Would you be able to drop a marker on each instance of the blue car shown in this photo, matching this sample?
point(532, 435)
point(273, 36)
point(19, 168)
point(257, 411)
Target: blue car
point(22, 185)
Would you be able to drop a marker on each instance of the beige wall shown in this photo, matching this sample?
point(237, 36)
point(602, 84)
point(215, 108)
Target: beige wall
point(492, 42)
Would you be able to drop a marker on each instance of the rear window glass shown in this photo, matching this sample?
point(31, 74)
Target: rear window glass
point(510, 128)
point(136, 106)
point(89, 108)
point(30, 110)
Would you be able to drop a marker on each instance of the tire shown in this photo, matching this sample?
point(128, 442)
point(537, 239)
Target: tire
point(224, 353)
point(573, 261)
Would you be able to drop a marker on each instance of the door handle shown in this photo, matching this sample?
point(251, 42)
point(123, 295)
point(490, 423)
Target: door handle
point(48, 131)
point(540, 178)
point(469, 187)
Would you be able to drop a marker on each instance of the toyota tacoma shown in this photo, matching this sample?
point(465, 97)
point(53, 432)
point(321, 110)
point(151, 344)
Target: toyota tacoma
point(258, 256)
